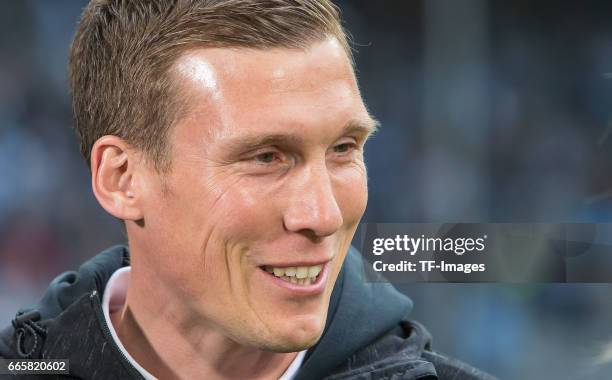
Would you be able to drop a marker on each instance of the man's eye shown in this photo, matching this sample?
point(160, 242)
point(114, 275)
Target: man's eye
point(343, 148)
point(266, 158)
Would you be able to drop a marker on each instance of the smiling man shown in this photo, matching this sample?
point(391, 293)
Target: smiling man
point(228, 136)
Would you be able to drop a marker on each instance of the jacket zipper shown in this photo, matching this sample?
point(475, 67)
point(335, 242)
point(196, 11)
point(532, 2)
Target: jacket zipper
point(95, 300)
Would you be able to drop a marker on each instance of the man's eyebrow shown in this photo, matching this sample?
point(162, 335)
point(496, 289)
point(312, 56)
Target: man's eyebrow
point(257, 141)
point(361, 126)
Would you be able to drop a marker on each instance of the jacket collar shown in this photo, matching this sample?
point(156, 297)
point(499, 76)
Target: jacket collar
point(81, 335)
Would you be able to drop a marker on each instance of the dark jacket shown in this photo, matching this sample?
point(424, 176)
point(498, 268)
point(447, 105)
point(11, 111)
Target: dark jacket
point(366, 334)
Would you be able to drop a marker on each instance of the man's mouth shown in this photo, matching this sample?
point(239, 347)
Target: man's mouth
point(303, 275)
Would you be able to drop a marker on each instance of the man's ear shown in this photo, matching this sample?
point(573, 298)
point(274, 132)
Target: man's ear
point(113, 172)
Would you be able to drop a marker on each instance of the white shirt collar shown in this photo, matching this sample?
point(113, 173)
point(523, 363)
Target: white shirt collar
point(114, 299)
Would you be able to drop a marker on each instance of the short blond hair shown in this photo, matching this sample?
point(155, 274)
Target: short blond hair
point(123, 51)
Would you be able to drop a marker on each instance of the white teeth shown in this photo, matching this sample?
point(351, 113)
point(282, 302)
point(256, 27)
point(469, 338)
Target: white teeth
point(302, 272)
point(314, 270)
point(296, 275)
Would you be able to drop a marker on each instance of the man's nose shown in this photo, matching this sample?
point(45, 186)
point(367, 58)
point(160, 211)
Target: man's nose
point(312, 208)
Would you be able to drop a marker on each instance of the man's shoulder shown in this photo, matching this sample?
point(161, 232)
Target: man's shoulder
point(405, 352)
point(68, 322)
point(78, 334)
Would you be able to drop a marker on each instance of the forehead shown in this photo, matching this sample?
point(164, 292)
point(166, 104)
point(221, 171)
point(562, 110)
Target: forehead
point(267, 89)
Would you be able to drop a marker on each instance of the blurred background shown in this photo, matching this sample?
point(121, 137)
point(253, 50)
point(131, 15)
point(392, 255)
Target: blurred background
point(490, 112)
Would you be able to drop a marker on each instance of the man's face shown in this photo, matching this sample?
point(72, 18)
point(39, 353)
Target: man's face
point(267, 185)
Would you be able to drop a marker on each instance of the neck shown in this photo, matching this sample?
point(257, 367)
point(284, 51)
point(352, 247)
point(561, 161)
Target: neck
point(168, 342)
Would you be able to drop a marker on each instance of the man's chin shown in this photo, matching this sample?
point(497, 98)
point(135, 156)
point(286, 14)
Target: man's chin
point(292, 345)
point(295, 338)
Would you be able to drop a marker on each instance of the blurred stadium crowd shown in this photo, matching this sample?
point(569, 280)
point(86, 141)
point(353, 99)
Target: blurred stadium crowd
point(490, 112)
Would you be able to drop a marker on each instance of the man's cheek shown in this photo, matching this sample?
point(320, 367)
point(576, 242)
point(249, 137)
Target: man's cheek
point(244, 213)
point(351, 193)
